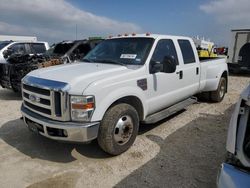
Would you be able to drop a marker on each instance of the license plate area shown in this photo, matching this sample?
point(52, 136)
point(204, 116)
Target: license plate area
point(33, 126)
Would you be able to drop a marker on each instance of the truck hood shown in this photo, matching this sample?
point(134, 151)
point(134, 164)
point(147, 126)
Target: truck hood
point(82, 74)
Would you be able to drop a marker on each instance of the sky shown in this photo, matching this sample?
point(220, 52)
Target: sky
point(57, 20)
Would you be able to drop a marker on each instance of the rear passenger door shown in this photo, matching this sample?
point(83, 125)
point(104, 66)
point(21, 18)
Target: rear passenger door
point(190, 70)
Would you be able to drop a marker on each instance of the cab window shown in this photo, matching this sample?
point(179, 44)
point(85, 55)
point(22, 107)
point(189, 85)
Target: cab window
point(187, 51)
point(165, 48)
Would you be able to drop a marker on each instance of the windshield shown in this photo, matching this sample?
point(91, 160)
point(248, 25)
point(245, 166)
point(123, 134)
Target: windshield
point(3, 44)
point(128, 51)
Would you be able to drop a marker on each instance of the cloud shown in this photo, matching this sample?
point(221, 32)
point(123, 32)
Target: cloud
point(56, 20)
point(235, 13)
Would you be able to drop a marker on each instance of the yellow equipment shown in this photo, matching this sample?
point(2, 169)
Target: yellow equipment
point(206, 49)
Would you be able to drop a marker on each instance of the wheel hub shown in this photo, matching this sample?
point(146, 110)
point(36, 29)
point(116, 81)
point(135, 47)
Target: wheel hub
point(222, 89)
point(123, 130)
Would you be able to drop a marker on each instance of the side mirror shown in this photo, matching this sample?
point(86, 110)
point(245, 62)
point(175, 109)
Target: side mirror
point(7, 53)
point(156, 66)
point(169, 64)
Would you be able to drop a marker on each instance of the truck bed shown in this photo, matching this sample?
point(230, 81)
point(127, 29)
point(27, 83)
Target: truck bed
point(202, 60)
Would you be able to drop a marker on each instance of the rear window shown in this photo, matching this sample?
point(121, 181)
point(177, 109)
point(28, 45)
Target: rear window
point(38, 48)
point(187, 51)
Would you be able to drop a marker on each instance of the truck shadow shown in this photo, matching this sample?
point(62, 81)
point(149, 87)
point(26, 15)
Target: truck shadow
point(16, 134)
point(241, 74)
point(147, 127)
point(190, 157)
point(7, 94)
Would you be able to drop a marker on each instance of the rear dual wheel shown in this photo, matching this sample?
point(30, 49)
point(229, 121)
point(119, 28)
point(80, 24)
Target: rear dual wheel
point(219, 94)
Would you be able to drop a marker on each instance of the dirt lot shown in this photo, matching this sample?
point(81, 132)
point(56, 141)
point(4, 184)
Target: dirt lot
point(182, 151)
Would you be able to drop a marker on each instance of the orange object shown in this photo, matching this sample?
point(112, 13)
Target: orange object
point(82, 106)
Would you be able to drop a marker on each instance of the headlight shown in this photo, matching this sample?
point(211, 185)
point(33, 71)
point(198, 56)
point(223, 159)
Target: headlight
point(82, 107)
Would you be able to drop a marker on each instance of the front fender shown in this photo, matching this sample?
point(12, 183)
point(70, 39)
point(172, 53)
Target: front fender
point(102, 104)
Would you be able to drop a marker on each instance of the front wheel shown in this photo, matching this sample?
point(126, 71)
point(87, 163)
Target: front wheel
point(218, 95)
point(118, 129)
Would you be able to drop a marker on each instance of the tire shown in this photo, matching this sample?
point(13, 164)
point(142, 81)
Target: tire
point(203, 97)
point(118, 129)
point(15, 89)
point(218, 95)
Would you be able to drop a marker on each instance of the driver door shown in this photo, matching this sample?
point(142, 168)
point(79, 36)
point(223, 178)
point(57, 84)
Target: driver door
point(165, 88)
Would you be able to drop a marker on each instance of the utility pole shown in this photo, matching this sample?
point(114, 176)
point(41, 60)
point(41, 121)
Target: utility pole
point(76, 31)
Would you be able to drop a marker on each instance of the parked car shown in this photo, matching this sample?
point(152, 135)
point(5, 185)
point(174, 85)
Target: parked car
point(70, 51)
point(125, 80)
point(7, 48)
point(235, 171)
point(10, 48)
point(61, 53)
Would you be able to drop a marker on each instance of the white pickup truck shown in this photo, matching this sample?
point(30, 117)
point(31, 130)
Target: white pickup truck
point(123, 81)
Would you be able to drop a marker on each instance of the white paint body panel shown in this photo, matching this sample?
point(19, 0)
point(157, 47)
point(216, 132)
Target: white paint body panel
point(233, 126)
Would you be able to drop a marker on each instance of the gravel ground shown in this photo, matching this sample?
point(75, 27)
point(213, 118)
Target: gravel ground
point(185, 150)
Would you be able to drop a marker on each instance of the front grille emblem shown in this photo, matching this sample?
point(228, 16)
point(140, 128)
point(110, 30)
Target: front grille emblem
point(34, 98)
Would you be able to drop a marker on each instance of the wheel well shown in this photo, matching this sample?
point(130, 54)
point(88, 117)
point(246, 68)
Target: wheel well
point(225, 75)
point(133, 101)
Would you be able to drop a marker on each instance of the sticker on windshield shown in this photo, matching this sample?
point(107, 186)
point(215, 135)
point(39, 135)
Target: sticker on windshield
point(128, 56)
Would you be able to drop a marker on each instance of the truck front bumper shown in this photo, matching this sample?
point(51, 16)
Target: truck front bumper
point(62, 131)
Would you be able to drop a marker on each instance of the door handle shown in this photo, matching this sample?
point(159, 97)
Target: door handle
point(197, 70)
point(180, 74)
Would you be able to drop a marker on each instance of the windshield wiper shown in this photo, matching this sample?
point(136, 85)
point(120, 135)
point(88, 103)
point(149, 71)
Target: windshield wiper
point(109, 61)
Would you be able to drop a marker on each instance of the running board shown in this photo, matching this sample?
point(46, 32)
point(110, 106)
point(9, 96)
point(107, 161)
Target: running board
point(169, 111)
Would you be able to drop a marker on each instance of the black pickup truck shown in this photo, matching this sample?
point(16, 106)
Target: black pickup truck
point(61, 53)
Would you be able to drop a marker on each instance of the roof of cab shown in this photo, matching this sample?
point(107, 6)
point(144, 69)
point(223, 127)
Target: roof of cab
point(147, 35)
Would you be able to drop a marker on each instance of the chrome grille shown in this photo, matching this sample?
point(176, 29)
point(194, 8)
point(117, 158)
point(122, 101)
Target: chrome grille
point(45, 102)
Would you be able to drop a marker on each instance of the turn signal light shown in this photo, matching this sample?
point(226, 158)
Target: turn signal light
point(83, 106)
